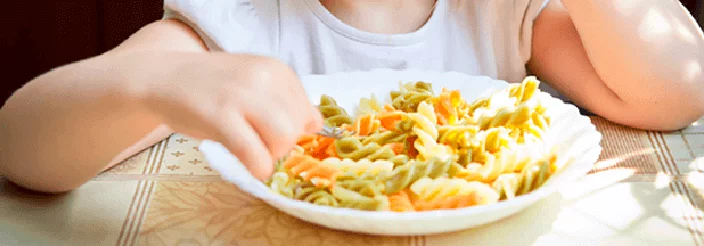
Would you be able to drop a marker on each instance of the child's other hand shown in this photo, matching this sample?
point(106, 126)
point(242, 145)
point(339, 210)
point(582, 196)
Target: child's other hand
point(253, 105)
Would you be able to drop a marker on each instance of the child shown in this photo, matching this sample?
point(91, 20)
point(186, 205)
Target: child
point(638, 63)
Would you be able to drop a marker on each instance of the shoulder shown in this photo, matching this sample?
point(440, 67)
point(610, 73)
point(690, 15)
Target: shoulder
point(230, 25)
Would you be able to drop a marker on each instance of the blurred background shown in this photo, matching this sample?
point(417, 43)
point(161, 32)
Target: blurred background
point(36, 36)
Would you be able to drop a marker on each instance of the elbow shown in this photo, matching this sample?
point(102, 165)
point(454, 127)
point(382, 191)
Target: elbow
point(38, 179)
point(671, 117)
point(43, 184)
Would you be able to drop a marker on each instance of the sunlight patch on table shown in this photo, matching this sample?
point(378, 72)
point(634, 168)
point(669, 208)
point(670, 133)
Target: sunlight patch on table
point(697, 164)
point(673, 206)
point(621, 214)
point(696, 179)
point(662, 180)
point(611, 162)
point(600, 206)
point(594, 182)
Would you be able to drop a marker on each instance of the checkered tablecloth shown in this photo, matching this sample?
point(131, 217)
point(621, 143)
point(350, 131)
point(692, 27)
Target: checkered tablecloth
point(647, 189)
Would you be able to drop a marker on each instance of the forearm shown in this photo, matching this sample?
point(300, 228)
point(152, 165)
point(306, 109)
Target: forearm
point(650, 53)
point(65, 126)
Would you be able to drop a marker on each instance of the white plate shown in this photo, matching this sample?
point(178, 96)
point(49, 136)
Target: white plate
point(578, 144)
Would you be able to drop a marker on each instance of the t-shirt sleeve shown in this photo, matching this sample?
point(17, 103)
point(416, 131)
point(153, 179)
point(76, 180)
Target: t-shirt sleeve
point(526, 16)
point(235, 26)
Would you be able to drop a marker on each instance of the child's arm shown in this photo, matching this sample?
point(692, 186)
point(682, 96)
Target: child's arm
point(638, 63)
point(65, 126)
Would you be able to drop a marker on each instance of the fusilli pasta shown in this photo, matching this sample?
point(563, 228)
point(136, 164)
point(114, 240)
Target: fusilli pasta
point(333, 114)
point(423, 151)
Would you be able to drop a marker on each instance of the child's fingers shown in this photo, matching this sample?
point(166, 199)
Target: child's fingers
point(277, 127)
point(243, 141)
point(315, 122)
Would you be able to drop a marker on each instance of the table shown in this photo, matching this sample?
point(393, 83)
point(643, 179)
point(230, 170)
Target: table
point(646, 189)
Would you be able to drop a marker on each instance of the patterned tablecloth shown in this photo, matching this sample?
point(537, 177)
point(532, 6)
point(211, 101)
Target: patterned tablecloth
point(647, 189)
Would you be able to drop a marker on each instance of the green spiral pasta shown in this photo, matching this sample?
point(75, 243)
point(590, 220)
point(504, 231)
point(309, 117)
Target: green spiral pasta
point(333, 114)
point(368, 186)
point(404, 175)
point(411, 95)
point(351, 199)
point(385, 137)
point(307, 192)
point(352, 148)
point(510, 185)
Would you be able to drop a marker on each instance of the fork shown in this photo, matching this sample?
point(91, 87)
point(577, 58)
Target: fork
point(332, 132)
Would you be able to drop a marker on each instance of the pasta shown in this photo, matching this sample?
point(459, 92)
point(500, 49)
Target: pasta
point(423, 151)
point(510, 185)
point(360, 167)
point(401, 202)
point(409, 173)
point(315, 195)
point(428, 189)
point(411, 95)
point(281, 183)
point(333, 114)
point(353, 148)
point(426, 131)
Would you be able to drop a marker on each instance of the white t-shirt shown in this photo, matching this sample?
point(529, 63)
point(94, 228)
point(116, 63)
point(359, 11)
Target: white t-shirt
point(475, 37)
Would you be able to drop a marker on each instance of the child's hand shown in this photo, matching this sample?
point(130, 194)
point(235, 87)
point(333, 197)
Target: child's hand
point(255, 106)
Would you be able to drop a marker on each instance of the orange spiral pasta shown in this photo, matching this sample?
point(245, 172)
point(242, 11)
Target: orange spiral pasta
point(366, 125)
point(401, 202)
point(311, 169)
point(317, 146)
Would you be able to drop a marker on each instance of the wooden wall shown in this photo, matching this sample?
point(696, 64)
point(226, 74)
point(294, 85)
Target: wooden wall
point(36, 36)
point(39, 35)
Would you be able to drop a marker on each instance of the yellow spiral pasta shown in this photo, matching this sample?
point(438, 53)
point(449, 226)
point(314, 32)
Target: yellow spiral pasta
point(282, 184)
point(525, 90)
point(369, 106)
point(505, 161)
point(361, 166)
point(429, 189)
point(425, 128)
point(457, 136)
